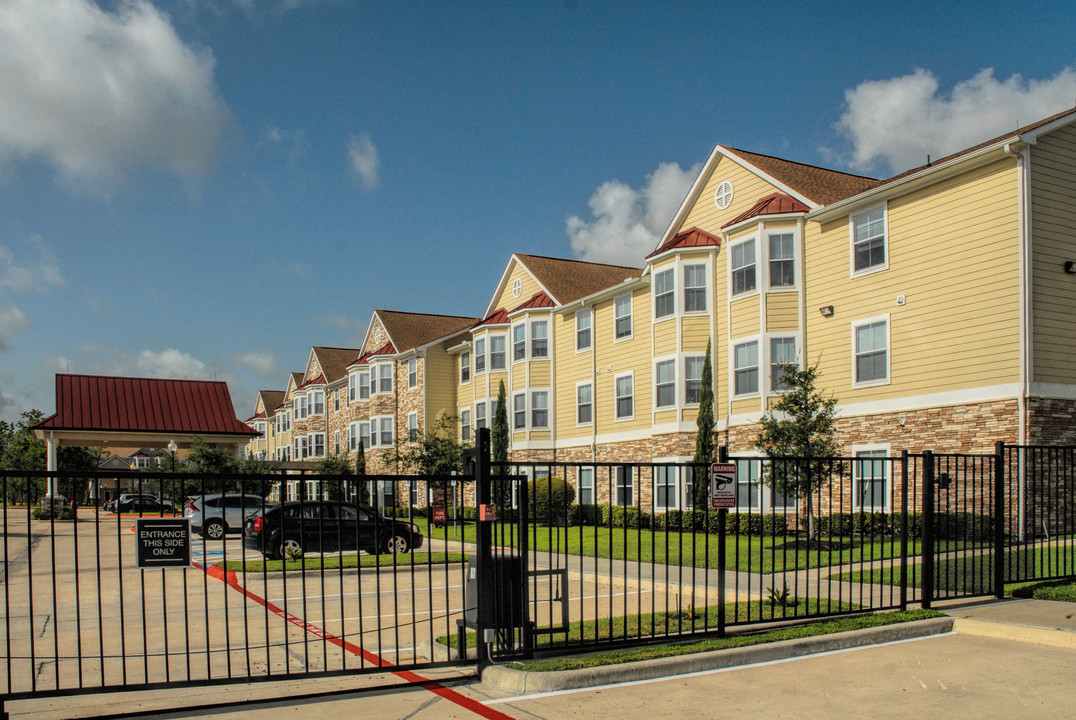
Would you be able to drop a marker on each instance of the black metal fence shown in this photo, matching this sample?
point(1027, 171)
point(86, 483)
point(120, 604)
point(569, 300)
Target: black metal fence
point(356, 591)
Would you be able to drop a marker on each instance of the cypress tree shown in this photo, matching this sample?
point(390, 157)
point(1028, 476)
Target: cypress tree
point(704, 438)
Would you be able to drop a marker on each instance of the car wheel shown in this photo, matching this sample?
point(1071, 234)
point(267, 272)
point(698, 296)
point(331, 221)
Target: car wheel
point(213, 530)
point(397, 544)
point(291, 549)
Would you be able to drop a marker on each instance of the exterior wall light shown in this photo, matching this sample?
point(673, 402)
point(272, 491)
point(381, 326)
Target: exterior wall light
point(826, 310)
point(1070, 267)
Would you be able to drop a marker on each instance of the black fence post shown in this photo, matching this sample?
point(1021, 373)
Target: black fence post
point(484, 539)
point(999, 519)
point(926, 575)
point(722, 514)
point(903, 530)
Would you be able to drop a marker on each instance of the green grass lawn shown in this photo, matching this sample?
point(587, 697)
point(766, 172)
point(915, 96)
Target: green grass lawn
point(343, 562)
point(744, 553)
point(823, 627)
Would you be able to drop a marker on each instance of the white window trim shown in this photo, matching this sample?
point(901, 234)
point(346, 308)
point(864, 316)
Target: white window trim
point(489, 350)
point(589, 312)
point(465, 422)
point(675, 383)
point(526, 342)
point(531, 408)
point(852, 272)
point(576, 403)
point(631, 316)
point(748, 293)
point(757, 339)
point(674, 269)
point(626, 418)
point(888, 351)
point(412, 425)
point(531, 338)
point(526, 411)
point(683, 501)
point(364, 382)
point(681, 304)
point(484, 342)
point(795, 286)
point(887, 468)
point(769, 357)
point(375, 378)
point(681, 378)
point(412, 373)
point(470, 368)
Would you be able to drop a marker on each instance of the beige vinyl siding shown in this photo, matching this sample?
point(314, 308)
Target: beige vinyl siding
point(746, 406)
point(665, 416)
point(745, 316)
point(541, 373)
point(748, 188)
point(696, 333)
point(571, 367)
point(1053, 213)
point(665, 336)
point(440, 385)
point(782, 312)
point(959, 327)
point(529, 287)
point(614, 358)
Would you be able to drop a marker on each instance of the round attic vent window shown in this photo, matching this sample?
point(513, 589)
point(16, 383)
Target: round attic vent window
point(377, 335)
point(723, 195)
point(517, 287)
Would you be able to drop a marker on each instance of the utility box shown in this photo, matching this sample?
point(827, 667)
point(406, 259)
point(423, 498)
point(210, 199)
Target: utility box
point(502, 592)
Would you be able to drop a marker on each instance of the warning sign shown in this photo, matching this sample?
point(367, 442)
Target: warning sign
point(163, 542)
point(723, 485)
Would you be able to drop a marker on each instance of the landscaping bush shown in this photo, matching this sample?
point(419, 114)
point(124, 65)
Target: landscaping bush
point(585, 515)
point(550, 500)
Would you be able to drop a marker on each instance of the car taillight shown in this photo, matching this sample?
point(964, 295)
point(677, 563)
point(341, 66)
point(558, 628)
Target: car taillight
point(257, 524)
point(192, 506)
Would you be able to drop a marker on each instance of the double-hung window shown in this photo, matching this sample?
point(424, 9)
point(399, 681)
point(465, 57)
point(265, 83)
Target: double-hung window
point(584, 404)
point(869, 472)
point(519, 342)
point(364, 434)
point(364, 385)
point(695, 288)
point(519, 411)
point(317, 401)
point(386, 432)
point(622, 317)
point(479, 355)
point(301, 407)
point(586, 486)
point(352, 387)
point(465, 367)
point(664, 294)
point(625, 396)
point(624, 485)
point(868, 240)
point(480, 415)
point(693, 379)
point(381, 377)
point(782, 352)
point(584, 323)
point(540, 339)
point(496, 352)
point(745, 368)
point(539, 409)
point(465, 426)
point(782, 260)
point(412, 427)
point(666, 487)
point(665, 384)
point(412, 372)
point(743, 267)
point(871, 340)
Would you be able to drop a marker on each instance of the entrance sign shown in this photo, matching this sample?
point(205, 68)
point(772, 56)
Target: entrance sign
point(722, 486)
point(163, 542)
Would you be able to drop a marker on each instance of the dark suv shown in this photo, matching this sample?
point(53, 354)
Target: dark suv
point(303, 527)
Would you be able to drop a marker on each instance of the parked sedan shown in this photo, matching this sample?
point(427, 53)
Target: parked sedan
point(213, 515)
point(302, 527)
point(143, 504)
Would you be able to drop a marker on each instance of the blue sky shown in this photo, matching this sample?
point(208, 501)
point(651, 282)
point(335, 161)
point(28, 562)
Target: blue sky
point(207, 188)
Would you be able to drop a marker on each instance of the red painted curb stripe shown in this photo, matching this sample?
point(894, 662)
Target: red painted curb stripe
point(231, 580)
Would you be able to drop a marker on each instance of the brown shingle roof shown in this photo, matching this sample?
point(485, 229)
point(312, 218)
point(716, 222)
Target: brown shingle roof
point(568, 280)
point(411, 330)
point(121, 404)
point(334, 361)
point(818, 184)
point(271, 399)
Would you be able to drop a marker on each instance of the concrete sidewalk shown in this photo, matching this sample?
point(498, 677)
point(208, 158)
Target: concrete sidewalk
point(1024, 621)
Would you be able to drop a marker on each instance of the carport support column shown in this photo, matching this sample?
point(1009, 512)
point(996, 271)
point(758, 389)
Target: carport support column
point(51, 463)
point(484, 538)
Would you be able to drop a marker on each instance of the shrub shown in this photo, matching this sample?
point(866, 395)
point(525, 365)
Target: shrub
point(550, 500)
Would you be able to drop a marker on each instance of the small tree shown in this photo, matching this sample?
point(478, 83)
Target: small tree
point(436, 450)
point(205, 459)
point(499, 449)
point(333, 489)
point(801, 427)
point(704, 437)
point(551, 498)
point(366, 487)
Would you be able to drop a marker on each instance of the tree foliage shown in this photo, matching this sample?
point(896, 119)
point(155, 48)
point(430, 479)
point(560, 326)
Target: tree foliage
point(801, 426)
point(704, 436)
point(436, 450)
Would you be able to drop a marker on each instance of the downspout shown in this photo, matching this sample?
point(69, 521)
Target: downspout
point(1025, 289)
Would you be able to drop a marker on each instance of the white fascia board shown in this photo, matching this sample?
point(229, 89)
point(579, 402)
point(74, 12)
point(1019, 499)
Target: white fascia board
point(692, 195)
point(754, 221)
point(923, 178)
point(515, 259)
point(792, 192)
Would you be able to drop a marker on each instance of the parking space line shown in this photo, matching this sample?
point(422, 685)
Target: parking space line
point(230, 580)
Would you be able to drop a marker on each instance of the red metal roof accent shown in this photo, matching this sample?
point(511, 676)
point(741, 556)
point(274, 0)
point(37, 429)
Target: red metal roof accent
point(538, 300)
point(499, 317)
point(694, 237)
point(118, 404)
point(319, 380)
point(775, 204)
point(386, 349)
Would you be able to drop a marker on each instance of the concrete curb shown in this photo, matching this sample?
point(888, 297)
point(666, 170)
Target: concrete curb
point(522, 682)
point(1037, 634)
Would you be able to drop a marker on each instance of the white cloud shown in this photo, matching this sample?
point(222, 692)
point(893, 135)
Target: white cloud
point(901, 120)
point(97, 94)
point(364, 159)
point(628, 223)
point(170, 363)
point(41, 274)
point(12, 322)
point(263, 364)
